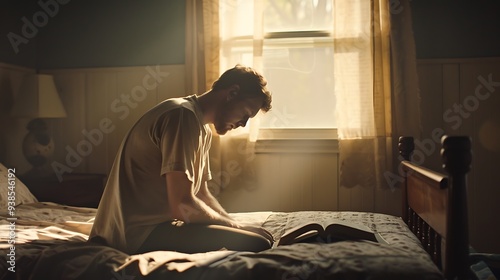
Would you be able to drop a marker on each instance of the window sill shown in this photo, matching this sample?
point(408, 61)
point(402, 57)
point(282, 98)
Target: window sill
point(319, 141)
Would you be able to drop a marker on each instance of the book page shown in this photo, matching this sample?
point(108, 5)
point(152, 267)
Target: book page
point(299, 233)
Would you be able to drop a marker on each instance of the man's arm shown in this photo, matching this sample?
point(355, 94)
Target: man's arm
point(206, 196)
point(186, 206)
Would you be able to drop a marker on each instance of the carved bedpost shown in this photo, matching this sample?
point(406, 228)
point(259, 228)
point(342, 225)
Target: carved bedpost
point(405, 147)
point(457, 156)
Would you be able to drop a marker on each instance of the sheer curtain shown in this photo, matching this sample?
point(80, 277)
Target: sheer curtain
point(362, 87)
point(202, 44)
point(374, 77)
point(374, 103)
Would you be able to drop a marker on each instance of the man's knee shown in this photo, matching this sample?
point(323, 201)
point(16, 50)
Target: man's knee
point(262, 244)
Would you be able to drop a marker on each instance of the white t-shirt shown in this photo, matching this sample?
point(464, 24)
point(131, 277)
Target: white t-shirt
point(169, 137)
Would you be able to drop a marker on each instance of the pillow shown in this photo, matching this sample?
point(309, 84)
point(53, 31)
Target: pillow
point(23, 194)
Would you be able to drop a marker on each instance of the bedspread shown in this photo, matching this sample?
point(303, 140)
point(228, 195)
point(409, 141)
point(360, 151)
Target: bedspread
point(50, 244)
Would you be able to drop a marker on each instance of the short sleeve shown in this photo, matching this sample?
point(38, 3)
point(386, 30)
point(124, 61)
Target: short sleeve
point(179, 132)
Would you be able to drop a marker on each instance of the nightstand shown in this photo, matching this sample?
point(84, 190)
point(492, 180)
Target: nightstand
point(75, 189)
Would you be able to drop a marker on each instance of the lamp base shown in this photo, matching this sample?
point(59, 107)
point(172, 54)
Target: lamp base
point(38, 147)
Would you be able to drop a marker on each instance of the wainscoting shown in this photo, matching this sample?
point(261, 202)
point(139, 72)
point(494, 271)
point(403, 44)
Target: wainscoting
point(284, 178)
point(102, 105)
point(12, 131)
point(293, 175)
point(462, 97)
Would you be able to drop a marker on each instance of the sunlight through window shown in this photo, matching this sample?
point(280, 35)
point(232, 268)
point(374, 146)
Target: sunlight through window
point(294, 51)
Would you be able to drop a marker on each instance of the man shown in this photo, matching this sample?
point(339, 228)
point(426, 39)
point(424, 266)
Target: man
point(156, 197)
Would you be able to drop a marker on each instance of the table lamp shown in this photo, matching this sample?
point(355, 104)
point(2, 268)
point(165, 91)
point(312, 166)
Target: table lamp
point(38, 98)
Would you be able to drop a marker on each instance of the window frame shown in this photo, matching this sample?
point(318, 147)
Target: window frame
point(289, 39)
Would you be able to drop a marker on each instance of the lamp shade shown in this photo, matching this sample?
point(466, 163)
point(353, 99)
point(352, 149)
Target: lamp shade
point(38, 98)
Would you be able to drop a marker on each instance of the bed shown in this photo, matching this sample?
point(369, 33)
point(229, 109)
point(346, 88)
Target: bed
point(429, 241)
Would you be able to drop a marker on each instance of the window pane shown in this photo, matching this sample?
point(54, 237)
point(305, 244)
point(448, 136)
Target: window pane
point(299, 69)
point(297, 15)
point(301, 80)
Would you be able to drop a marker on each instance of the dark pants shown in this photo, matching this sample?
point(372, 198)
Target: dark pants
point(198, 238)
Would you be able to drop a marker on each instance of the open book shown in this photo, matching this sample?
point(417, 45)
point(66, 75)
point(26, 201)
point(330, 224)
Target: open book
point(341, 230)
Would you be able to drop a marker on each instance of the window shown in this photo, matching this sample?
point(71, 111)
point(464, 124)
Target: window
point(291, 42)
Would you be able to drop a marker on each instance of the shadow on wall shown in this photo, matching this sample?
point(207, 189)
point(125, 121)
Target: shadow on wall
point(6, 101)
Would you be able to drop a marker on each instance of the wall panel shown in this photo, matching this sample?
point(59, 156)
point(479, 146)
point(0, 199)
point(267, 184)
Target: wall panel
point(107, 102)
point(12, 130)
point(467, 92)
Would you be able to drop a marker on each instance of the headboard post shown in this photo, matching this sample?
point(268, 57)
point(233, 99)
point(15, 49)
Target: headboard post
point(457, 156)
point(405, 147)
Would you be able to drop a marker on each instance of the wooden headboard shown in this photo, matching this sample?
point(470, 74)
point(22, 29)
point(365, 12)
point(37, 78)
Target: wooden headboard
point(435, 205)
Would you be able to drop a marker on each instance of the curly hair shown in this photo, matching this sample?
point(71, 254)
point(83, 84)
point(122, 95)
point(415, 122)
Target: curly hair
point(251, 83)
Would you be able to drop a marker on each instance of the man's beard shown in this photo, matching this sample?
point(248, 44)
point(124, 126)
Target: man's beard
point(220, 124)
point(224, 131)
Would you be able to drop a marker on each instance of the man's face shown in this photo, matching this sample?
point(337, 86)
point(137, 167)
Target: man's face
point(236, 112)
